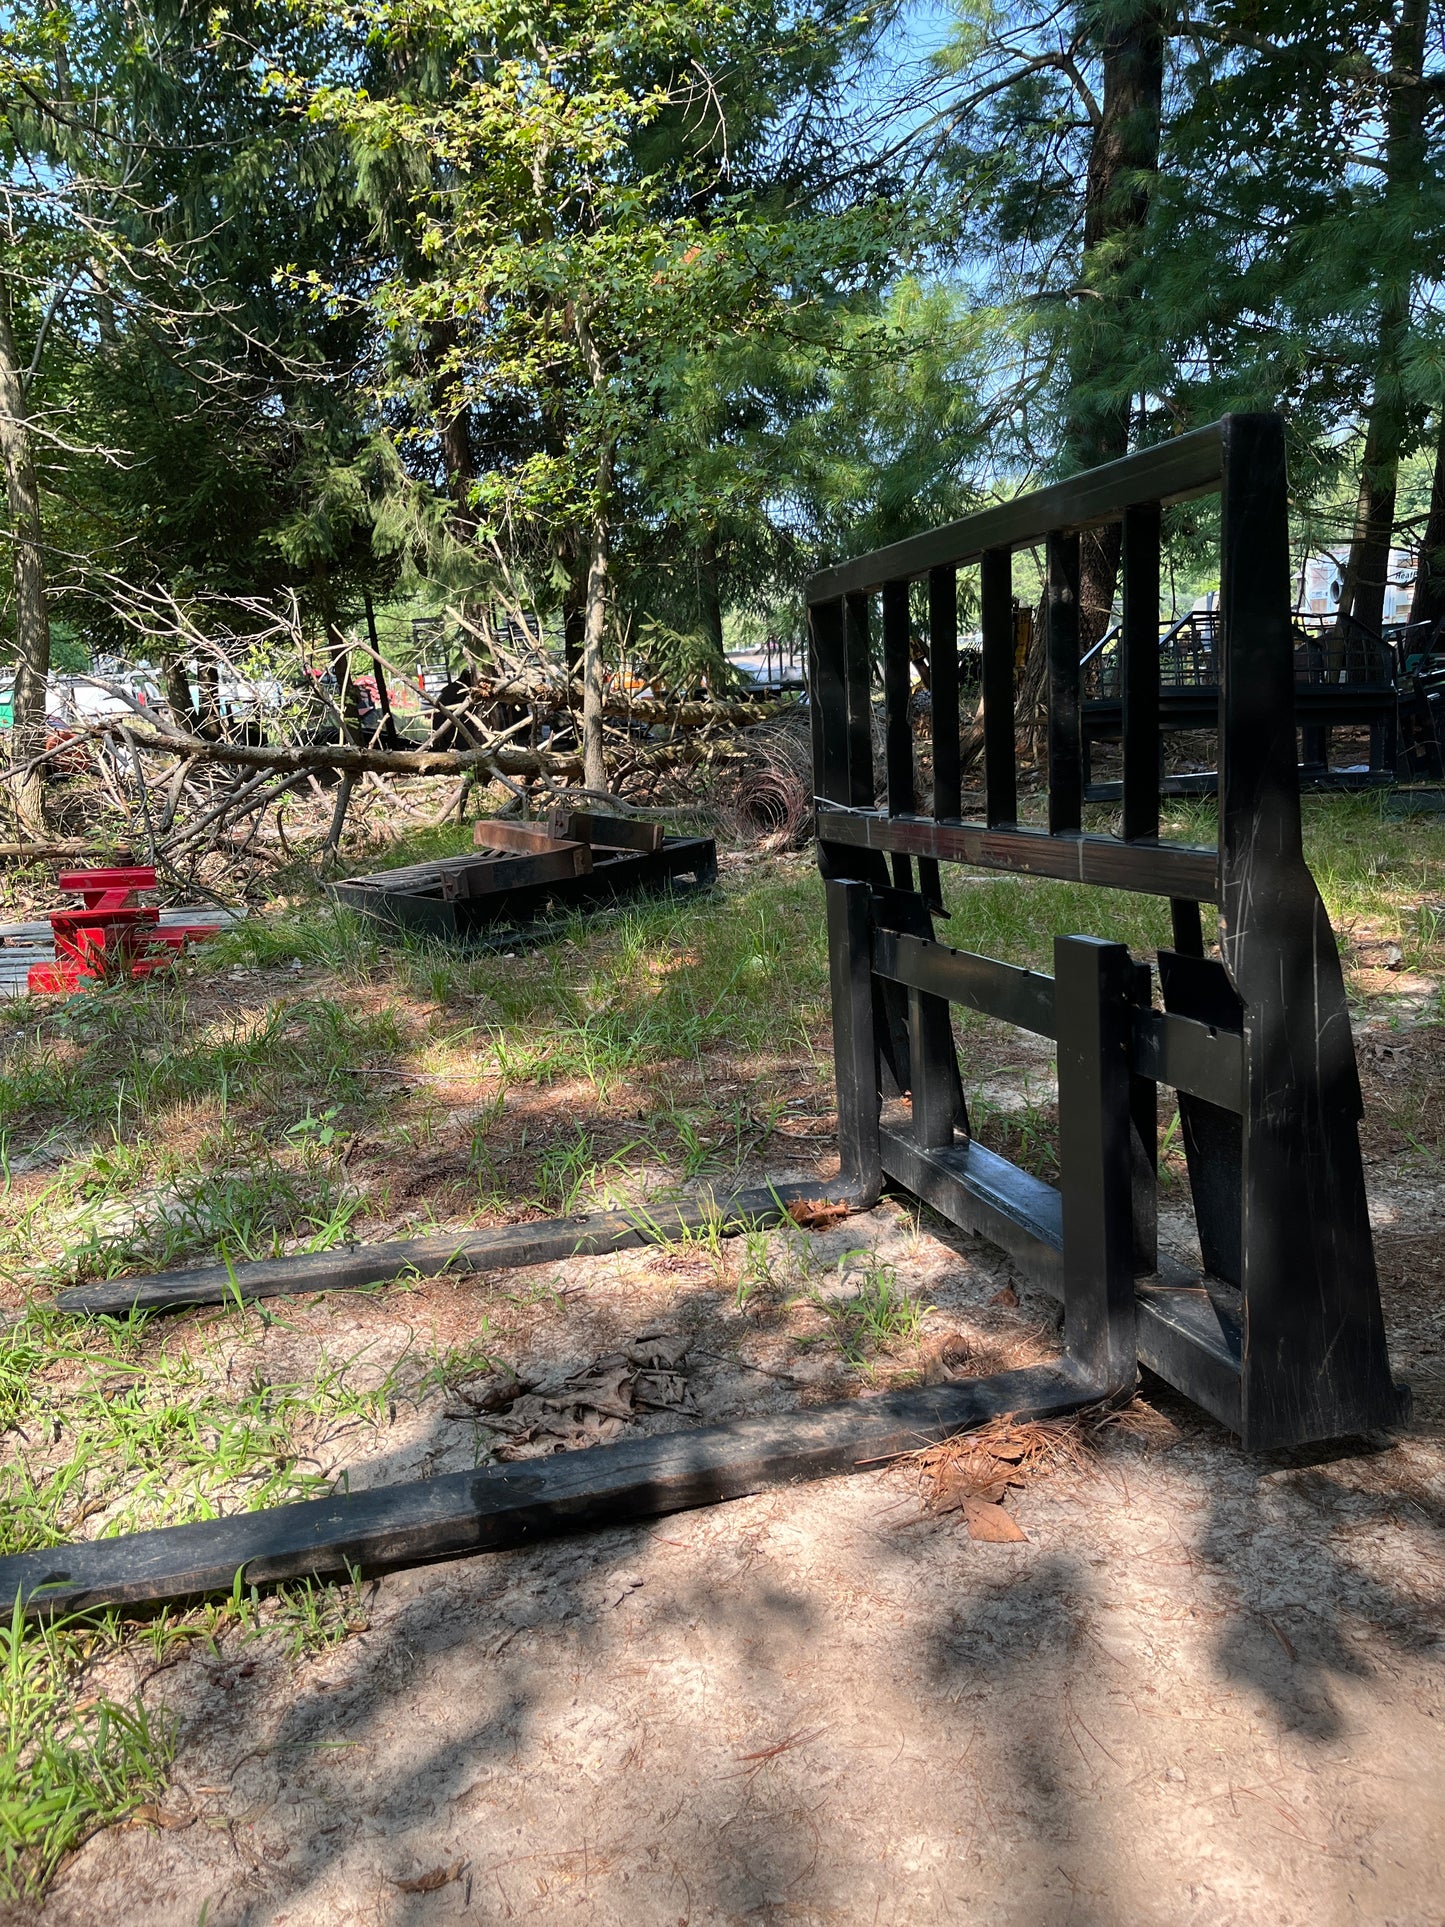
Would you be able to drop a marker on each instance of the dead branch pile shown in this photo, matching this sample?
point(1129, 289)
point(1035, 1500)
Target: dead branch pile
point(197, 790)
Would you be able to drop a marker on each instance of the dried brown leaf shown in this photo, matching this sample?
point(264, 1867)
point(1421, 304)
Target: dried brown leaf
point(988, 1521)
point(816, 1215)
point(151, 1815)
point(493, 1392)
point(428, 1883)
point(659, 1351)
point(944, 1355)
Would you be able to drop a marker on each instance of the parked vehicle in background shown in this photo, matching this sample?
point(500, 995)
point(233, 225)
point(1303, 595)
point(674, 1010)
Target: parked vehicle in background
point(81, 698)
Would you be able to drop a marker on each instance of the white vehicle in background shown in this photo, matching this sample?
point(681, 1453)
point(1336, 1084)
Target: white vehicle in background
point(72, 701)
point(81, 699)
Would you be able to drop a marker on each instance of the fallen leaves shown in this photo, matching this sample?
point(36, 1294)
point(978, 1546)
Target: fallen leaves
point(943, 1356)
point(987, 1520)
point(432, 1881)
point(151, 1815)
point(589, 1407)
point(816, 1214)
point(973, 1472)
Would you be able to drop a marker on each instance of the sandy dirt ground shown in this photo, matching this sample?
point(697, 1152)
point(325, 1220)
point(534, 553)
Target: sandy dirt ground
point(1205, 1688)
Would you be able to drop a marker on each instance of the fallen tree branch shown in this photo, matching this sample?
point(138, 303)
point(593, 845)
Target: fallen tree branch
point(71, 846)
point(353, 759)
point(651, 710)
point(346, 758)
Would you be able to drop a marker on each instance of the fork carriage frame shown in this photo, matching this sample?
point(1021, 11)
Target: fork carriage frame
point(1280, 1336)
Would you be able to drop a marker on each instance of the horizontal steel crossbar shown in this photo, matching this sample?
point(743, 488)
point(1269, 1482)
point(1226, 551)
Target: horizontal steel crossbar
point(1195, 1057)
point(1152, 869)
point(1002, 990)
point(983, 1192)
point(1188, 465)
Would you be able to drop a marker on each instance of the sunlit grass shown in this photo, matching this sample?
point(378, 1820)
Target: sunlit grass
point(67, 1765)
point(107, 1426)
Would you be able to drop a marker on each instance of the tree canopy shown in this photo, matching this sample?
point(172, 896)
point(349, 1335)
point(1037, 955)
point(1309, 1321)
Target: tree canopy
point(626, 313)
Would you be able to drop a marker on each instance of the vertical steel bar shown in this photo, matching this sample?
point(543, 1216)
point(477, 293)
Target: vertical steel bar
point(898, 732)
point(943, 678)
point(858, 656)
point(1187, 927)
point(1144, 1132)
point(897, 691)
point(934, 1067)
point(855, 1046)
point(996, 614)
point(1139, 670)
point(828, 701)
point(1066, 785)
point(1315, 1361)
point(1094, 985)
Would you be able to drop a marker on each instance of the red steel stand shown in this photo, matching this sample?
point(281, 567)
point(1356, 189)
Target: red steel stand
point(113, 937)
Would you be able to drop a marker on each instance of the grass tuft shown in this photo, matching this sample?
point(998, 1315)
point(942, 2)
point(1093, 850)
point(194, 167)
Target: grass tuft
point(67, 1766)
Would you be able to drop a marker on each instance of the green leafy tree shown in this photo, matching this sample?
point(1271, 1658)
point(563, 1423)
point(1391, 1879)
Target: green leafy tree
point(571, 237)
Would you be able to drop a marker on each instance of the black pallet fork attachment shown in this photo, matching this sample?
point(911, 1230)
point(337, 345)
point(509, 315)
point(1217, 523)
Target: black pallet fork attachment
point(1280, 1334)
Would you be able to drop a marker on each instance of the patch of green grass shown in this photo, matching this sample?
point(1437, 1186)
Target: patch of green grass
point(315, 1616)
point(662, 982)
point(139, 1435)
point(142, 1206)
point(107, 1061)
point(757, 1273)
point(1027, 1134)
point(317, 935)
point(67, 1767)
point(878, 1315)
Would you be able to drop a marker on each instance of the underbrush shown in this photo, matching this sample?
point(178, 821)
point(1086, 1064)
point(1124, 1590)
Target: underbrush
point(68, 1764)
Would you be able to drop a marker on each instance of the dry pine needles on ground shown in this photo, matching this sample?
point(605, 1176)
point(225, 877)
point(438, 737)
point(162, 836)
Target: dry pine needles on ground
point(973, 1473)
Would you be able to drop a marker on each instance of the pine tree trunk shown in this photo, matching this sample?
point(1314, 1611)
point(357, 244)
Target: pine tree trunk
point(1428, 602)
point(710, 592)
point(1123, 161)
point(32, 616)
point(1362, 594)
point(594, 763)
point(454, 430)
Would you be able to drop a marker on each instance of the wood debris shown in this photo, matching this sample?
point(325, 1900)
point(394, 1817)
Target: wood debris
point(945, 1355)
point(816, 1215)
point(432, 1881)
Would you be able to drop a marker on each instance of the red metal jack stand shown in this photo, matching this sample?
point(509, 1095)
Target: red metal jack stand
point(113, 937)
